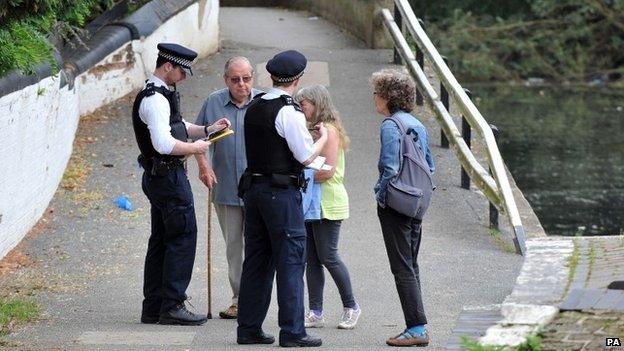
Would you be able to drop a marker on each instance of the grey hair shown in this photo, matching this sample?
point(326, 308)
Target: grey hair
point(397, 87)
point(231, 60)
point(324, 110)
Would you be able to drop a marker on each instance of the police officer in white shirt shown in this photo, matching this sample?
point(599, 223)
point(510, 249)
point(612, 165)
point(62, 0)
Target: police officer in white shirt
point(162, 136)
point(278, 146)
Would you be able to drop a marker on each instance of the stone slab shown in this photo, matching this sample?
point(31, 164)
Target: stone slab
point(609, 300)
point(136, 338)
point(571, 301)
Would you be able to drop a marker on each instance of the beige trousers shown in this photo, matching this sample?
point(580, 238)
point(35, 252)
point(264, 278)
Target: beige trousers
point(231, 221)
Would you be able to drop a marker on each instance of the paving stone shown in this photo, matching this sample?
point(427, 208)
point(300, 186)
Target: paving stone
point(609, 300)
point(581, 337)
point(590, 298)
point(619, 306)
point(136, 338)
point(572, 300)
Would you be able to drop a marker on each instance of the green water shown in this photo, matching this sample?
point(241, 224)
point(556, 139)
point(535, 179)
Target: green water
point(565, 148)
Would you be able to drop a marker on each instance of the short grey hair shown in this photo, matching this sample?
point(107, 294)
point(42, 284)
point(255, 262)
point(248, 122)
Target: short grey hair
point(231, 60)
point(397, 87)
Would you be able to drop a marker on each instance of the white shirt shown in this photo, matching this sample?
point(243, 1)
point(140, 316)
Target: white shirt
point(291, 125)
point(155, 112)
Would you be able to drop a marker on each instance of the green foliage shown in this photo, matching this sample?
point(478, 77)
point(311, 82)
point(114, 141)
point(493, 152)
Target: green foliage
point(471, 345)
point(558, 40)
point(436, 10)
point(22, 47)
point(16, 311)
point(533, 343)
point(24, 38)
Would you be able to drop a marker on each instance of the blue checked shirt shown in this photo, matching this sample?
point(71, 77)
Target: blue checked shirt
point(227, 156)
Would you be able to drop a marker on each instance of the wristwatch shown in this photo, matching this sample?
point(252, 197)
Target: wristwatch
point(206, 130)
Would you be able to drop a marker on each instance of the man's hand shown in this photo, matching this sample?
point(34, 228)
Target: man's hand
point(220, 124)
point(207, 176)
point(200, 146)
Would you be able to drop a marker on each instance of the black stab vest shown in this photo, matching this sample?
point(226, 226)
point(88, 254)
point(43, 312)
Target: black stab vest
point(268, 152)
point(141, 132)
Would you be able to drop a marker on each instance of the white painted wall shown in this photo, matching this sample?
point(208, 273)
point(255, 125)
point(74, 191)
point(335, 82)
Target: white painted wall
point(38, 123)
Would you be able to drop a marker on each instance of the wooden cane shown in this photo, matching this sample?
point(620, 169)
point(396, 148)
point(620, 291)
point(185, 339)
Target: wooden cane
point(209, 256)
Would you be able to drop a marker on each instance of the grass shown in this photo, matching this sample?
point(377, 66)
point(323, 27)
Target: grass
point(75, 174)
point(498, 238)
point(592, 260)
point(572, 264)
point(533, 343)
point(16, 311)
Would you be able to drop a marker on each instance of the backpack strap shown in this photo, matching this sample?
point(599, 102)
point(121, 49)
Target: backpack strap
point(401, 126)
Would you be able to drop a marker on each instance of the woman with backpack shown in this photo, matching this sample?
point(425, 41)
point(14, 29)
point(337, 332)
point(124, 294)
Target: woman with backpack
point(322, 242)
point(393, 93)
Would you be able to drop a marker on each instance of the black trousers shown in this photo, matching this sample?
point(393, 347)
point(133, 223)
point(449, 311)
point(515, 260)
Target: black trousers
point(402, 238)
point(171, 247)
point(275, 242)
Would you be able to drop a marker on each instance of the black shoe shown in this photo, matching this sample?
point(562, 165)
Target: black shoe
point(261, 338)
point(306, 341)
point(179, 315)
point(147, 319)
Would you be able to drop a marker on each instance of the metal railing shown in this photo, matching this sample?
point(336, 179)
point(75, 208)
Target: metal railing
point(496, 186)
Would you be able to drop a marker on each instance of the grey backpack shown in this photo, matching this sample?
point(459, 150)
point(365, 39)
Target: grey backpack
point(409, 193)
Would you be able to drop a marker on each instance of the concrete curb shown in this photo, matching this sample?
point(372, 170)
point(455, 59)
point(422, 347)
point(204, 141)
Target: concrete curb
point(539, 288)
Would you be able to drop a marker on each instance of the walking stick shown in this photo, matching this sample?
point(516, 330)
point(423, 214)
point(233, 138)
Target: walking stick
point(209, 256)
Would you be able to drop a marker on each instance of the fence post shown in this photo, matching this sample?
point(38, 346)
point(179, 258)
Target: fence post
point(420, 59)
point(493, 209)
point(444, 97)
point(399, 22)
point(466, 135)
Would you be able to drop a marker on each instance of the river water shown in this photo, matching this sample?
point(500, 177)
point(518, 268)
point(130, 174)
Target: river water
point(565, 148)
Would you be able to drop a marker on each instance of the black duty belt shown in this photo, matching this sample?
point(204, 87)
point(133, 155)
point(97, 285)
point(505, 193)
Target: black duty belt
point(276, 179)
point(160, 165)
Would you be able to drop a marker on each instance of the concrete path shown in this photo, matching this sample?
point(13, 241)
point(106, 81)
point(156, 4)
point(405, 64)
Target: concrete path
point(89, 258)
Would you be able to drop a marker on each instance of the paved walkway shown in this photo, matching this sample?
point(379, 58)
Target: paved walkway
point(88, 270)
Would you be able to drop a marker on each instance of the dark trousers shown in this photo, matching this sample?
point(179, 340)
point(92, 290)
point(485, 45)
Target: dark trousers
point(171, 247)
point(275, 240)
point(323, 251)
point(402, 238)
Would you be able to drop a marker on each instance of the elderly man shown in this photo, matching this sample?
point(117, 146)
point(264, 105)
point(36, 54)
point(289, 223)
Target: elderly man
point(229, 163)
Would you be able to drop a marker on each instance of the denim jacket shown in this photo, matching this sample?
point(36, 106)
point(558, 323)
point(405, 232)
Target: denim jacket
point(389, 155)
point(311, 198)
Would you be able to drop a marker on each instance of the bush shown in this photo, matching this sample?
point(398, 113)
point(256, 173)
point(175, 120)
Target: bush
point(24, 39)
point(558, 40)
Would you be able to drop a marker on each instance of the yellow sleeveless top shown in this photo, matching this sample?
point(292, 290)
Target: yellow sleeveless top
point(334, 197)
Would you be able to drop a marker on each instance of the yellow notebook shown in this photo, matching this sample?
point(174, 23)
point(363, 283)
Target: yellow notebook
point(216, 136)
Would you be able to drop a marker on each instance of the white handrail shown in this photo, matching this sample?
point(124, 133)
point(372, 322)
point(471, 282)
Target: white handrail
point(497, 189)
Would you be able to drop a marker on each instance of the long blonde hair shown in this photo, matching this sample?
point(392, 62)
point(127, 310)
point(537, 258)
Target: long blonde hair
point(324, 110)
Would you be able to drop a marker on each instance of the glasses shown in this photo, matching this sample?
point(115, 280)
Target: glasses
point(245, 79)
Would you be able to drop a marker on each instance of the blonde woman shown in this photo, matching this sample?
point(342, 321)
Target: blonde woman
point(322, 242)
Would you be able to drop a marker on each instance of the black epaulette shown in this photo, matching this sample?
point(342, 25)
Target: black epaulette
point(150, 89)
point(290, 101)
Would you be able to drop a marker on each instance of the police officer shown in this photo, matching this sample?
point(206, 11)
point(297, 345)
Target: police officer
point(278, 147)
point(162, 136)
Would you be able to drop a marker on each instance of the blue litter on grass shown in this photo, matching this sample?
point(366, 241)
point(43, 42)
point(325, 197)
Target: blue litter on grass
point(124, 203)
